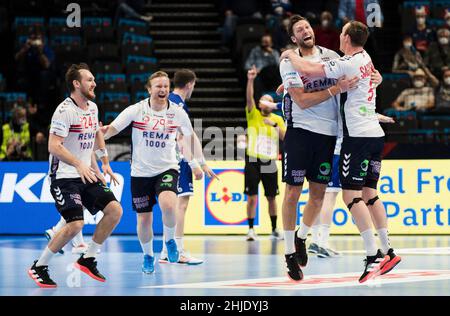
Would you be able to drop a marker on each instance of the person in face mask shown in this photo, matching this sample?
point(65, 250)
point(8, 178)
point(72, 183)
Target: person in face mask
point(326, 34)
point(407, 59)
point(263, 55)
point(16, 138)
point(443, 95)
point(437, 56)
point(422, 34)
point(419, 98)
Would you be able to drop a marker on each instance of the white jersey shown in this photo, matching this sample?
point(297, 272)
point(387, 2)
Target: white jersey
point(321, 118)
point(359, 116)
point(153, 136)
point(78, 127)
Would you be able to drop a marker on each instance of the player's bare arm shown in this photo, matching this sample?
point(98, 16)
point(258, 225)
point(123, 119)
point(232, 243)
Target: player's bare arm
point(307, 68)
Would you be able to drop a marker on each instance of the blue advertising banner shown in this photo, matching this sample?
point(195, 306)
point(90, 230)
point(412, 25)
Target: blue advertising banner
point(27, 207)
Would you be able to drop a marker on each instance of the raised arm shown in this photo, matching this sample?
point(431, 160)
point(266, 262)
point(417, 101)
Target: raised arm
point(251, 75)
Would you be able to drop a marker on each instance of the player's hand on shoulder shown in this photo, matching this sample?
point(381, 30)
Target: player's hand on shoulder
point(376, 78)
point(286, 54)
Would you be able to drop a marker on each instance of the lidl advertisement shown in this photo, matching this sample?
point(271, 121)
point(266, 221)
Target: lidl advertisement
point(416, 195)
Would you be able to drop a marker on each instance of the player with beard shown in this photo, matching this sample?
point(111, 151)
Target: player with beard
point(362, 145)
point(154, 165)
point(74, 184)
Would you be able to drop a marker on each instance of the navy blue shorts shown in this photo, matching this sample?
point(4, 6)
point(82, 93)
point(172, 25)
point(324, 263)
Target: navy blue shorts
point(185, 183)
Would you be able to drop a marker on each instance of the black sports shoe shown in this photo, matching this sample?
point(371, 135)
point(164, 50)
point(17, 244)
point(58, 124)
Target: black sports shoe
point(293, 270)
point(89, 266)
point(300, 250)
point(41, 277)
point(373, 266)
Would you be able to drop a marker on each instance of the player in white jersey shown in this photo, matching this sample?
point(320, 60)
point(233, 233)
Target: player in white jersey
point(362, 145)
point(74, 183)
point(154, 163)
point(320, 232)
point(310, 108)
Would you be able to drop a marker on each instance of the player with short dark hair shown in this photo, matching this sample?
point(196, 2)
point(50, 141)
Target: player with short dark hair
point(75, 181)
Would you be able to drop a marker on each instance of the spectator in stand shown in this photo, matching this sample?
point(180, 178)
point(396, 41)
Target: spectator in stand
point(422, 34)
point(281, 7)
point(407, 59)
point(326, 34)
point(263, 55)
point(443, 95)
point(235, 9)
point(280, 34)
point(37, 133)
point(437, 57)
point(419, 98)
point(16, 137)
point(35, 68)
point(266, 60)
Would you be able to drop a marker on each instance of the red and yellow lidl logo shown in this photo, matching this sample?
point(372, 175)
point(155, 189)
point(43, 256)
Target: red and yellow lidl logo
point(225, 202)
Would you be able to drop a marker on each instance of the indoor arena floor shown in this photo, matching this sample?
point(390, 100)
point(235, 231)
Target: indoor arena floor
point(232, 267)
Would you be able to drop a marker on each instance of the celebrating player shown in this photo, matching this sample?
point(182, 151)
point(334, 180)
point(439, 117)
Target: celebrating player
point(75, 184)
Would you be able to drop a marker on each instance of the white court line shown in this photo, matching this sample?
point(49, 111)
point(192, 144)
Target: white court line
point(315, 282)
point(410, 251)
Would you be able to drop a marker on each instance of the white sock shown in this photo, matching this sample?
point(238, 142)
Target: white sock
point(303, 231)
point(59, 225)
point(164, 248)
point(46, 255)
point(78, 239)
point(369, 242)
point(384, 238)
point(324, 236)
point(92, 249)
point(169, 233)
point(315, 232)
point(147, 247)
point(180, 243)
point(289, 246)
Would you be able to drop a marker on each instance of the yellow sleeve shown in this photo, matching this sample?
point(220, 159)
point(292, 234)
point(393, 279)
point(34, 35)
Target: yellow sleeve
point(280, 122)
point(250, 115)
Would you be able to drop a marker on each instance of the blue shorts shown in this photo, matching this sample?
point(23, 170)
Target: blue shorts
point(335, 184)
point(185, 185)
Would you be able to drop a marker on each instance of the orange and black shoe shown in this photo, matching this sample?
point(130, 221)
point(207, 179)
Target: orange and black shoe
point(89, 266)
point(293, 270)
point(300, 250)
point(393, 261)
point(41, 277)
point(373, 266)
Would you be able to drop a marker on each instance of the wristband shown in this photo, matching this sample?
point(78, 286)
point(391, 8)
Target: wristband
point(329, 91)
point(202, 161)
point(102, 152)
point(193, 164)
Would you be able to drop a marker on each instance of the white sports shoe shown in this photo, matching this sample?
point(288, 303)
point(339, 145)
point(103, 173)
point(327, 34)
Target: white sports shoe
point(251, 235)
point(185, 258)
